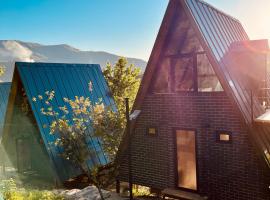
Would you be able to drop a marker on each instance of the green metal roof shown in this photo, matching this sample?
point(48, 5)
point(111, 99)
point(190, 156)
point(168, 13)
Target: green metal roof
point(67, 80)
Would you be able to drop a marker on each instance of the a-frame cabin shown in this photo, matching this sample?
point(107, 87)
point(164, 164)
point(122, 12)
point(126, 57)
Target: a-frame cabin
point(26, 136)
point(202, 100)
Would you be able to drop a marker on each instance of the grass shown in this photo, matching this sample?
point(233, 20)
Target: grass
point(10, 191)
point(31, 195)
point(140, 191)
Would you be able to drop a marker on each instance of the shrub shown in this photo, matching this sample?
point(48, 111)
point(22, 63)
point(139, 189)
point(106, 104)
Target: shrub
point(10, 192)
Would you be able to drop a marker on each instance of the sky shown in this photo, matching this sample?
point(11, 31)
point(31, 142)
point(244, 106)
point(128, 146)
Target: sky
point(123, 27)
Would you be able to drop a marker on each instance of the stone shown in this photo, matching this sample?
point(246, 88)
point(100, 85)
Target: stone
point(88, 193)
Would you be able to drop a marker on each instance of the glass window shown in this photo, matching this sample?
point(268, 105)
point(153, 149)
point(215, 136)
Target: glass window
point(152, 131)
point(224, 136)
point(161, 84)
point(190, 73)
point(181, 37)
point(207, 79)
point(177, 34)
point(191, 43)
point(184, 74)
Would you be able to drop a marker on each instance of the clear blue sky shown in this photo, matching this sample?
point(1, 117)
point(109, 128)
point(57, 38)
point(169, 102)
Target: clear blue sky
point(124, 27)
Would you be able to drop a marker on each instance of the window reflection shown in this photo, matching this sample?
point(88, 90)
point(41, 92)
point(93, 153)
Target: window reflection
point(184, 75)
point(188, 73)
point(177, 36)
point(207, 79)
point(161, 84)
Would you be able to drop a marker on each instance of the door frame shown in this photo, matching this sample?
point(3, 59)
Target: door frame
point(176, 160)
point(23, 138)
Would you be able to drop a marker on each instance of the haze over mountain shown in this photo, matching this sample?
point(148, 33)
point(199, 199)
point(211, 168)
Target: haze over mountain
point(13, 50)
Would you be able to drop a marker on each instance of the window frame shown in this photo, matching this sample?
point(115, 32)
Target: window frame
point(219, 132)
point(172, 73)
point(151, 135)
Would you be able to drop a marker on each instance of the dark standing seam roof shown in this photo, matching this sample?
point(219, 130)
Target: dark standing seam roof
point(4, 94)
point(219, 32)
point(67, 80)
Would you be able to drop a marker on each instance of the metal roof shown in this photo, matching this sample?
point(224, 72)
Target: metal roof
point(67, 80)
point(221, 33)
point(4, 94)
point(218, 33)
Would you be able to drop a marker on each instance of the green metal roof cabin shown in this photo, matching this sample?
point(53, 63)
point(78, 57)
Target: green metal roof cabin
point(26, 139)
point(204, 125)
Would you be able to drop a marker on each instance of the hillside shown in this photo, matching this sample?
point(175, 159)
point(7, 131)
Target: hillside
point(13, 50)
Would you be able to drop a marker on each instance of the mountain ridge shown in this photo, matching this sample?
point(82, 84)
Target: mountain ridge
point(16, 50)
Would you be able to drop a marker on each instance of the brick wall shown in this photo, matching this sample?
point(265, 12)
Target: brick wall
point(225, 171)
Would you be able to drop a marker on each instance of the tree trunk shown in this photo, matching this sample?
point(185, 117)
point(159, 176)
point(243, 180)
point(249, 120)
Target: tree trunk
point(100, 192)
point(96, 184)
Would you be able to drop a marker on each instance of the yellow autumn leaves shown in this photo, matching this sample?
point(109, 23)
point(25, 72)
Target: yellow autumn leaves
point(80, 111)
point(2, 70)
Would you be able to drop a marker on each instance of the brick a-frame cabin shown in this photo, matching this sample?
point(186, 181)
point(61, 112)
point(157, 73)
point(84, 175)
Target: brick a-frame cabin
point(200, 98)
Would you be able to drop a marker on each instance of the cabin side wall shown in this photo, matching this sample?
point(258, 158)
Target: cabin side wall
point(225, 170)
point(24, 149)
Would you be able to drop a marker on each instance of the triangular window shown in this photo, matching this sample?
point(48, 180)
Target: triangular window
point(183, 64)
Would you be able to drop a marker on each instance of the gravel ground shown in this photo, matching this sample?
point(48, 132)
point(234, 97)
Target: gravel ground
point(91, 193)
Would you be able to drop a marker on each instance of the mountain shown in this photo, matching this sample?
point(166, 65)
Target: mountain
point(14, 50)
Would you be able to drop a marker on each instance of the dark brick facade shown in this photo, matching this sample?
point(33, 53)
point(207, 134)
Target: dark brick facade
point(225, 171)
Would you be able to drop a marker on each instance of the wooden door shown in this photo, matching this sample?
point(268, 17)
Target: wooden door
point(23, 154)
point(186, 159)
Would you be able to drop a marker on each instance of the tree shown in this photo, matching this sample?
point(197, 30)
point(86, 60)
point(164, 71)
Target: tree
point(80, 117)
point(123, 80)
point(73, 123)
point(2, 70)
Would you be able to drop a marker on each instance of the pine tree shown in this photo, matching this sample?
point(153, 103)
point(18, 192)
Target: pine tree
point(123, 80)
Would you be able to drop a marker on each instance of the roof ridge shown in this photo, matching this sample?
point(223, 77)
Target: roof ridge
point(59, 64)
point(218, 10)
